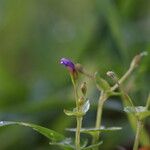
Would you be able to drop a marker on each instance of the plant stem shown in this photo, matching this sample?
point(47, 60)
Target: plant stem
point(79, 124)
point(103, 98)
point(101, 101)
point(138, 132)
point(123, 78)
point(78, 118)
point(133, 65)
point(148, 102)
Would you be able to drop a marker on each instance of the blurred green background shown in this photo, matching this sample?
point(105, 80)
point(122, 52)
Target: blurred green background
point(102, 35)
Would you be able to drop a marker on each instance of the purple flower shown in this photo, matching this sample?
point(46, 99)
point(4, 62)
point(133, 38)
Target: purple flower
point(68, 63)
point(70, 66)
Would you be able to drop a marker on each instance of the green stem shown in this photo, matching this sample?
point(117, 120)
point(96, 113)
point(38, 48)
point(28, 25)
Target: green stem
point(101, 101)
point(148, 102)
point(123, 94)
point(133, 65)
point(138, 132)
point(79, 124)
point(103, 98)
point(78, 118)
point(123, 78)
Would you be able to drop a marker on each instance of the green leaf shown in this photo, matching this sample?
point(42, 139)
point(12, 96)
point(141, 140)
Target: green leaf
point(75, 112)
point(101, 83)
point(66, 144)
point(139, 111)
point(92, 131)
point(145, 140)
point(129, 109)
point(50, 134)
point(92, 146)
point(86, 107)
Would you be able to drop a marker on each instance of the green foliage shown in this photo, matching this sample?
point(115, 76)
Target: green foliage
point(92, 131)
point(84, 110)
point(138, 111)
point(50, 134)
point(65, 144)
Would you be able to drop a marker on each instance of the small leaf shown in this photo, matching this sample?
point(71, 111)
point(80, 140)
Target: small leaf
point(73, 113)
point(86, 106)
point(101, 83)
point(92, 146)
point(139, 111)
point(50, 134)
point(66, 144)
point(129, 109)
point(92, 131)
point(111, 129)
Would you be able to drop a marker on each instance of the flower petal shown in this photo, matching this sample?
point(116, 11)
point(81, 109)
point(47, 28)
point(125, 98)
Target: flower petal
point(67, 63)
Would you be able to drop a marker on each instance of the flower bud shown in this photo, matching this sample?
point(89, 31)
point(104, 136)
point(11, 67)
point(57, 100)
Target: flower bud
point(70, 66)
point(111, 74)
point(82, 70)
point(68, 63)
point(81, 101)
point(79, 68)
point(83, 88)
point(114, 77)
point(137, 59)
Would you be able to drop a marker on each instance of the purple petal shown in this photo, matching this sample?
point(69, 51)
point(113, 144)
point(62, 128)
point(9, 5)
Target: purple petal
point(67, 63)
